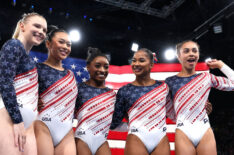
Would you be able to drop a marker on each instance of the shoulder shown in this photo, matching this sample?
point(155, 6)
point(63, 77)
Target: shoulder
point(124, 89)
point(171, 78)
point(81, 85)
point(13, 45)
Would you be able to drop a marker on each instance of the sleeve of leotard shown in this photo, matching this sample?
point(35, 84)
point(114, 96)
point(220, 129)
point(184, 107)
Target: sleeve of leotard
point(9, 59)
point(228, 72)
point(222, 83)
point(78, 103)
point(119, 111)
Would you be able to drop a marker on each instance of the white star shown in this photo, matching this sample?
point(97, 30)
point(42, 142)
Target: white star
point(73, 66)
point(85, 69)
point(78, 73)
point(35, 59)
point(84, 79)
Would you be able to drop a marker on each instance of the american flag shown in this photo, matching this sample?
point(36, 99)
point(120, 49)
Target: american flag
point(119, 76)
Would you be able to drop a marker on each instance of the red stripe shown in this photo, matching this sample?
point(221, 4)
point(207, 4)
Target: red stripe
point(116, 85)
point(187, 85)
point(56, 83)
point(26, 89)
point(25, 73)
point(46, 107)
point(90, 116)
point(162, 67)
point(144, 96)
point(92, 99)
point(121, 151)
point(143, 112)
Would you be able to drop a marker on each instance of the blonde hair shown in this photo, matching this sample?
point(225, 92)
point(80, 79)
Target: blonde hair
point(24, 19)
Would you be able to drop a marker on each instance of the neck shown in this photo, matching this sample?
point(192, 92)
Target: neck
point(96, 84)
point(143, 81)
point(187, 72)
point(54, 63)
point(27, 46)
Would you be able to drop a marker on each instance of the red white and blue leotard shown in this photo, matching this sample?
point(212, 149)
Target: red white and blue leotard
point(94, 110)
point(189, 96)
point(18, 83)
point(57, 93)
point(145, 108)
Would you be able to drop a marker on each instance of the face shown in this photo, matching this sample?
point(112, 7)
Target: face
point(189, 55)
point(98, 69)
point(60, 46)
point(141, 64)
point(34, 29)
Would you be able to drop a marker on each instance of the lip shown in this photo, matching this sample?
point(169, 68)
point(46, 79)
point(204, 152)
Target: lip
point(38, 37)
point(64, 53)
point(137, 69)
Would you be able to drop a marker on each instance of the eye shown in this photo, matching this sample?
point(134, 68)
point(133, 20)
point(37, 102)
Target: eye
point(106, 66)
point(61, 41)
point(185, 50)
point(195, 50)
point(68, 44)
point(97, 65)
point(133, 60)
point(142, 60)
point(44, 30)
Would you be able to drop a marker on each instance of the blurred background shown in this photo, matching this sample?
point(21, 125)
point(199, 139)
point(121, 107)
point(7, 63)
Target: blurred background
point(118, 26)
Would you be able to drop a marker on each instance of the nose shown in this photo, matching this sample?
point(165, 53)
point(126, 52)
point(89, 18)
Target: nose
point(136, 63)
point(102, 69)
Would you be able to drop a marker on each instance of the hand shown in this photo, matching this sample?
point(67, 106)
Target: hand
point(208, 107)
point(19, 135)
point(214, 63)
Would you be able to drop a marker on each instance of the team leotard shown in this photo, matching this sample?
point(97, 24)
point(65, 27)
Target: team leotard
point(18, 83)
point(57, 95)
point(189, 96)
point(94, 111)
point(145, 108)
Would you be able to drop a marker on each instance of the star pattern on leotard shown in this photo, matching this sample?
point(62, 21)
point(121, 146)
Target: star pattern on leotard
point(126, 97)
point(48, 76)
point(86, 92)
point(176, 82)
point(14, 60)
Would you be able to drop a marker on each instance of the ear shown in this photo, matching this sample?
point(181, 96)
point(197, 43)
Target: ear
point(88, 67)
point(151, 65)
point(178, 57)
point(22, 26)
point(47, 43)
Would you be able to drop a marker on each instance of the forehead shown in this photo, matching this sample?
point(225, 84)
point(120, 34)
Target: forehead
point(37, 19)
point(62, 35)
point(189, 44)
point(140, 54)
point(100, 59)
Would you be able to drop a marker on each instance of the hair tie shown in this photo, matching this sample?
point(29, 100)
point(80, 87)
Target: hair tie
point(155, 58)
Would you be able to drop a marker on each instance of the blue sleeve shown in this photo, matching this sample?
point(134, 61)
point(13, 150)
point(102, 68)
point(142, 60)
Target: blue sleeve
point(119, 111)
point(9, 59)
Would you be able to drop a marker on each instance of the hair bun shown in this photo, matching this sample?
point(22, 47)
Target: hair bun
point(51, 28)
point(92, 51)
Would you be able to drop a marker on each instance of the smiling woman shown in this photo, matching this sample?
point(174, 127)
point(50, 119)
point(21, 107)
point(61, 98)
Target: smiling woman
point(189, 92)
point(57, 96)
point(19, 86)
point(94, 108)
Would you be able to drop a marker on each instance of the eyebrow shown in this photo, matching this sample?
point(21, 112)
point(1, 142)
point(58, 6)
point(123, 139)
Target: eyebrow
point(64, 40)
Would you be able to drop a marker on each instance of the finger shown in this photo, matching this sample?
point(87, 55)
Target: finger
point(16, 138)
point(21, 143)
